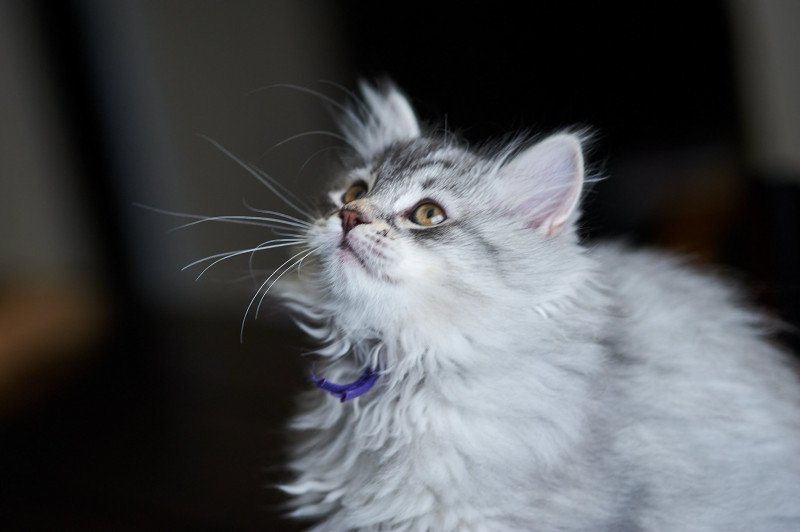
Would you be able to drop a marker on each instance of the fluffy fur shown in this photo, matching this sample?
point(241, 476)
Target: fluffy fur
point(527, 382)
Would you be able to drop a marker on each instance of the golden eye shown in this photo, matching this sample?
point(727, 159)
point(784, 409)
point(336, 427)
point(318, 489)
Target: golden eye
point(356, 191)
point(428, 213)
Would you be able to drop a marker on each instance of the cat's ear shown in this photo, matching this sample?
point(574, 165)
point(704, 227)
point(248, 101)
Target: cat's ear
point(385, 116)
point(543, 183)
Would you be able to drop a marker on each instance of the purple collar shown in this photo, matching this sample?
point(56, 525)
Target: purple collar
point(346, 392)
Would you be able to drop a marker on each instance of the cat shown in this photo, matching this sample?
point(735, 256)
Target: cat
point(507, 376)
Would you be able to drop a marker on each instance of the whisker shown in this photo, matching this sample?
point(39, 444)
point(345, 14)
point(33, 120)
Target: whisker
point(234, 255)
point(296, 263)
point(308, 133)
point(228, 257)
point(263, 178)
point(278, 231)
point(294, 197)
point(312, 92)
point(315, 154)
point(241, 220)
point(253, 254)
point(271, 244)
point(236, 280)
point(346, 110)
point(261, 287)
point(227, 253)
point(274, 213)
point(304, 208)
point(253, 220)
point(353, 97)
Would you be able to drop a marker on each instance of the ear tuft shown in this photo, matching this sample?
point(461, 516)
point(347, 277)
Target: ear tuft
point(543, 183)
point(384, 116)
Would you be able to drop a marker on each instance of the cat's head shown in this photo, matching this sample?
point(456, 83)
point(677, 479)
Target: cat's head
point(419, 231)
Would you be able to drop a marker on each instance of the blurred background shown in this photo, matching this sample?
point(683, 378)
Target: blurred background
point(127, 401)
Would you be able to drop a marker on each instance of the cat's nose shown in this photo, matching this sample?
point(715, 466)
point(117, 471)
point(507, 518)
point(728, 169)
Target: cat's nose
point(350, 219)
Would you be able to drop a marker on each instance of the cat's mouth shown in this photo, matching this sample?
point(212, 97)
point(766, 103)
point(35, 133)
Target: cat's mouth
point(351, 253)
point(348, 250)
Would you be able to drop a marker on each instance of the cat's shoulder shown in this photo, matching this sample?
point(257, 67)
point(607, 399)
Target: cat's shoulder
point(659, 293)
point(666, 275)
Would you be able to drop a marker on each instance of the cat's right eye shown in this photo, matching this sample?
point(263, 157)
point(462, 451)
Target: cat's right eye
point(356, 191)
point(428, 213)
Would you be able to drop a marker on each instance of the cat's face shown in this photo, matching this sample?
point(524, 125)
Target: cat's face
point(405, 230)
point(422, 230)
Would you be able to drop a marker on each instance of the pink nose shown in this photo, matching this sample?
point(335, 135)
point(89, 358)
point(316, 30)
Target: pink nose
point(350, 219)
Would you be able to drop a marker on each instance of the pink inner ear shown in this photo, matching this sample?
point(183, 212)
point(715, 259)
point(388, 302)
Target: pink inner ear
point(544, 182)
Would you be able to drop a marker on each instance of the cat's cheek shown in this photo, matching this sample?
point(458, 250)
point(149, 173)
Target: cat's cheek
point(417, 266)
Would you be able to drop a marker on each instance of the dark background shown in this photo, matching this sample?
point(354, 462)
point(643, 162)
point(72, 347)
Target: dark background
point(155, 416)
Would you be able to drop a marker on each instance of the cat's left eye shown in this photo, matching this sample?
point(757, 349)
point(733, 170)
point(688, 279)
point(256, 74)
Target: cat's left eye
point(427, 214)
point(356, 191)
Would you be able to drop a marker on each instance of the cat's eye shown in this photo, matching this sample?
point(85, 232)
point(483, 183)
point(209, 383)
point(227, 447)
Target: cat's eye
point(356, 191)
point(427, 214)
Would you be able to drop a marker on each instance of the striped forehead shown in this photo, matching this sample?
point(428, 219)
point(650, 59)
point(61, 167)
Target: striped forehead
point(420, 164)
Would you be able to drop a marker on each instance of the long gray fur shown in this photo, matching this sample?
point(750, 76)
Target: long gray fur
point(528, 382)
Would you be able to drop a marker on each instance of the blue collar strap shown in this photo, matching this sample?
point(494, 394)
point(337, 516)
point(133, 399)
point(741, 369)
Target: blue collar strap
point(346, 392)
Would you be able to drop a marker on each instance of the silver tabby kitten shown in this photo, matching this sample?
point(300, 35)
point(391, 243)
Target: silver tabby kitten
point(508, 377)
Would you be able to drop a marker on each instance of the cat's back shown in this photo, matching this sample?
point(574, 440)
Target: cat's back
point(704, 403)
point(684, 315)
point(675, 323)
